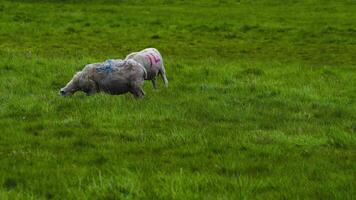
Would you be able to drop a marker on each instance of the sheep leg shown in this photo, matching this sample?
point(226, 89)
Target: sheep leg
point(137, 92)
point(154, 83)
point(163, 74)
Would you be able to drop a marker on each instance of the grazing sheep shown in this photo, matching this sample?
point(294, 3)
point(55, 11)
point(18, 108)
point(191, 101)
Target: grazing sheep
point(112, 76)
point(152, 60)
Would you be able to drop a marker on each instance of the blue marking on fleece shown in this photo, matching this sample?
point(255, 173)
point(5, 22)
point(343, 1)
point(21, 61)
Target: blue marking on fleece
point(106, 67)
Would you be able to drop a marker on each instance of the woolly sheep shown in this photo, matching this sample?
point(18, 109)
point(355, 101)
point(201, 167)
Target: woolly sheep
point(113, 77)
point(152, 60)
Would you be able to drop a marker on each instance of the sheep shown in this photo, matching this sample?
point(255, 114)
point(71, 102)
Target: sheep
point(152, 60)
point(113, 77)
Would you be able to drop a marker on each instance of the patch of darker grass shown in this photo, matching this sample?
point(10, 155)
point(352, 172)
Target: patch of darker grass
point(316, 175)
point(71, 30)
point(82, 143)
point(326, 73)
point(334, 30)
point(230, 35)
point(34, 128)
point(106, 10)
point(186, 154)
point(220, 150)
point(156, 22)
point(99, 160)
point(124, 191)
point(25, 113)
point(117, 192)
point(243, 148)
point(20, 17)
point(253, 71)
point(305, 153)
point(257, 170)
point(267, 188)
point(155, 36)
point(63, 133)
point(224, 171)
point(7, 68)
point(9, 183)
point(268, 125)
point(283, 30)
point(126, 137)
point(328, 112)
point(268, 93)
point(224, 27)
point(49, 195)
point(264, 140)
point(247, 27)
point(65, 106)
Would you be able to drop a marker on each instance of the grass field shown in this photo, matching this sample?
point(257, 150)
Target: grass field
point(261, 102)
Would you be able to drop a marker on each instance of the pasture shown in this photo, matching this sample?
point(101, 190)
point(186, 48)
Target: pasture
point(260, 104)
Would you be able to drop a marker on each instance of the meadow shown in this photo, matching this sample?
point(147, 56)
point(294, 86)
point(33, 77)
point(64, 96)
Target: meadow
point(260, 104)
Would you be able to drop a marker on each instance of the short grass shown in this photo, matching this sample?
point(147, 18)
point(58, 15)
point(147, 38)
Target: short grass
point(261, 101)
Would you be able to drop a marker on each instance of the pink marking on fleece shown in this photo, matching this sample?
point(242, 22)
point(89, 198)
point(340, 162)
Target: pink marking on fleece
point(149, 57)
point(156, 59)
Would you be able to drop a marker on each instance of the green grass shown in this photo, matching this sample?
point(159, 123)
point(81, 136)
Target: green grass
point(261, 101)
